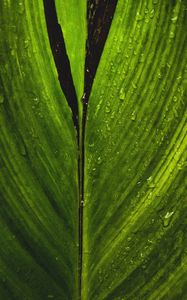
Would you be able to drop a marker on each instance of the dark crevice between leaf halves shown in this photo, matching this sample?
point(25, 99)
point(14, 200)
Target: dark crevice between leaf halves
point(61, 59)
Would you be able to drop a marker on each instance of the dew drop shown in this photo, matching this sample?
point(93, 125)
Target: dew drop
point(174, 19)
point(139, 17)
point(91, 145)
point(134, 85)
point(159, 75)
point(23, 150)
point(36, 100)
point(152, 13)
point(26, 44)
point(171, 35)
point(1, 98)
point(133, 116)
point(21, 8)
point(167, 218)
point(107, 109)
point(13, 52)
point(181, 165)
point(99, 160)
point(150, 182)
point(122, 94)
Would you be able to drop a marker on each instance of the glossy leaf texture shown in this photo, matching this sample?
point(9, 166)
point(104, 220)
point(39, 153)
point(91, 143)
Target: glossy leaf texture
point(135, 209)
point(38, 163)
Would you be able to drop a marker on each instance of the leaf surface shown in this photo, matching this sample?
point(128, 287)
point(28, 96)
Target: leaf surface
point(38, 163)
point(135, 208)
point(135, 217)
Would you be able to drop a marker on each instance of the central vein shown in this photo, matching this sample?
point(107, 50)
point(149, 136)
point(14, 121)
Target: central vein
point(99, 17)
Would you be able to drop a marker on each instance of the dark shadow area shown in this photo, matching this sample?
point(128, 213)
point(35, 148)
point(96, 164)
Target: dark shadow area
point(61, 59)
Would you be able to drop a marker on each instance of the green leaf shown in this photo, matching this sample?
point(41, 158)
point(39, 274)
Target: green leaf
point(38, 163)
point(134, 242)
point(135, 210)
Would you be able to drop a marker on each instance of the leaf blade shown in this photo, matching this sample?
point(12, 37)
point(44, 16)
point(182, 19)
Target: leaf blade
point(39, 184)
point(135, 140)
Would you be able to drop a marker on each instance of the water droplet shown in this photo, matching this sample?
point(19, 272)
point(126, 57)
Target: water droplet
point(122, 94)
point(152, 13)
point(167, 218)
point(171, 35)
point(13, 52)
point(36, 100)
point(91, 145)
point(174, 19)
point(1, 98)
point(134, 85)
point(181, 165)
point(139, 17)
point(21, 8)
point(142, 58)
point(159, 75)
point(82, 203)
point(22, 149)
point(150, 182)
point(107, 109)
point(26, 44)
point(133, 116)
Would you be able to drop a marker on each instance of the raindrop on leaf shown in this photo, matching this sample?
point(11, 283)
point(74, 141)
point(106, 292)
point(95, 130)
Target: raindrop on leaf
point(150, 182)
point(152, 13)
point(134, 85)
point(107, 109)
point(122, 94)
point(26, 44)
point(171, 35)
point(99, 161)
point(174, 19)
point(21, 8)
point(167, 218)
point(133, 116)
point(1, 98)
